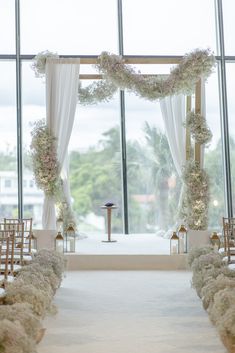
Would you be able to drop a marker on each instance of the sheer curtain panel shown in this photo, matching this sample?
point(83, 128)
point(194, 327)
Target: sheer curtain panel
point(62, 79)
point(173, 113)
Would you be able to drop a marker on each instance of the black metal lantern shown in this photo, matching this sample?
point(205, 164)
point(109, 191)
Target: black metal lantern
point(59, 243)
point(70, 238)
point(183, 241)
point(174, 244)
point(215, 240)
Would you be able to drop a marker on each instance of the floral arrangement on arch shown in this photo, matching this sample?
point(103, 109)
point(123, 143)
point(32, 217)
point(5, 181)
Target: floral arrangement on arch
point(198, 128)
point(44, 159)
point(39, 62)
point(196, 196)
point(117, 74)
point(46, 169)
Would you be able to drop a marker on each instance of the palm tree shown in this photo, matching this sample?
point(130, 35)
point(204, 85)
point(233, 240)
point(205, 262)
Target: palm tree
point(162, 168)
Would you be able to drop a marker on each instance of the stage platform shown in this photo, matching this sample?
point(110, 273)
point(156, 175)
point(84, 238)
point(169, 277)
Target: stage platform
point(129, 252)
point(125, 262)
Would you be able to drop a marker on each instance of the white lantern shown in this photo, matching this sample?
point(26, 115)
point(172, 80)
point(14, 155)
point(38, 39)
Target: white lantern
point(33, 242)
point(183, 241)
point(174, 244)
point(215, 240)
point(70, 239)
point(59, 242)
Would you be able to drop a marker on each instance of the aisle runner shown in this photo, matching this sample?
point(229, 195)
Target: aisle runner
point(129, 312)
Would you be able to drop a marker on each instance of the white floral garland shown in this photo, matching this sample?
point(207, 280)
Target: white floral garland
point(182, 78)
point(198, 128)
point(46, 169)
point(44, 159)
point(39, 62)
point(117, 74)
point(195, 197)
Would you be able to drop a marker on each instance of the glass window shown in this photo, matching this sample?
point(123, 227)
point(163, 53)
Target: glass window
point(213, 161)
point(8, 183)
point(95, 167)
point(230, 71)
point(33, 109)
point(7, 26)
point(156, 27)
point(229, 26)
point(8, 166)
point(69, 26)
point(153, 185)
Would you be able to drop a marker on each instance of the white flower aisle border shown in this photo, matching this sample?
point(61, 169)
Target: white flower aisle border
point(182, 79)
point(214, 283)
point(27, 300)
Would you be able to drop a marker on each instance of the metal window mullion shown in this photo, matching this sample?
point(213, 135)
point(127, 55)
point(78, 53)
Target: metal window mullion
point(19, 109)
point(124, 163)
point(224, 110)
point(123, 127)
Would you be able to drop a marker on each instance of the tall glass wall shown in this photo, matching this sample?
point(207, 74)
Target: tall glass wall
point(150, 27)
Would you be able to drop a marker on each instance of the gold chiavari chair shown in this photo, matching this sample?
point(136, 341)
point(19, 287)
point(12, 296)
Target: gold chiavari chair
point(17, 232)
point(7, 245)
point(4, 251)
point(28, 231)
point(229, 238)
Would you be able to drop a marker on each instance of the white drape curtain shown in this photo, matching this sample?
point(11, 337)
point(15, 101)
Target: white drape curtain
point(62, 79)
point(173, 113)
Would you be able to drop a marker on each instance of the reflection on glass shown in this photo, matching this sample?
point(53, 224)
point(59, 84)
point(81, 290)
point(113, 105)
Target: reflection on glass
point(153, 185)
point(8, 159)
point(7, 27)
point(157, 27)
point(33, 109)
point(69, 26)
point(95, 167)
point(213, 155)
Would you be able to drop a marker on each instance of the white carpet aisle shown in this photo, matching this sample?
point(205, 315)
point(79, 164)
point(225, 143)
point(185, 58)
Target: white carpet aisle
point(129, 312)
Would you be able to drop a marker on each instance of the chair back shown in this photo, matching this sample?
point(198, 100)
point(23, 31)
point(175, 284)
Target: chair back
point(7, 250)
point(28, 229)
point(229, 236)
point(16, 232)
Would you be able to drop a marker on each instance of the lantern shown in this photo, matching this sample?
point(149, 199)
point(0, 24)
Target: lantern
point(174, 244)
point(59, 243)
point(183, 241)
point(70, 239)
point(33, 242)
point(59, 224)
point(215, 240)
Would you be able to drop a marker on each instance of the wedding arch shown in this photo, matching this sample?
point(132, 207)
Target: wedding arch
point(63, 90)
